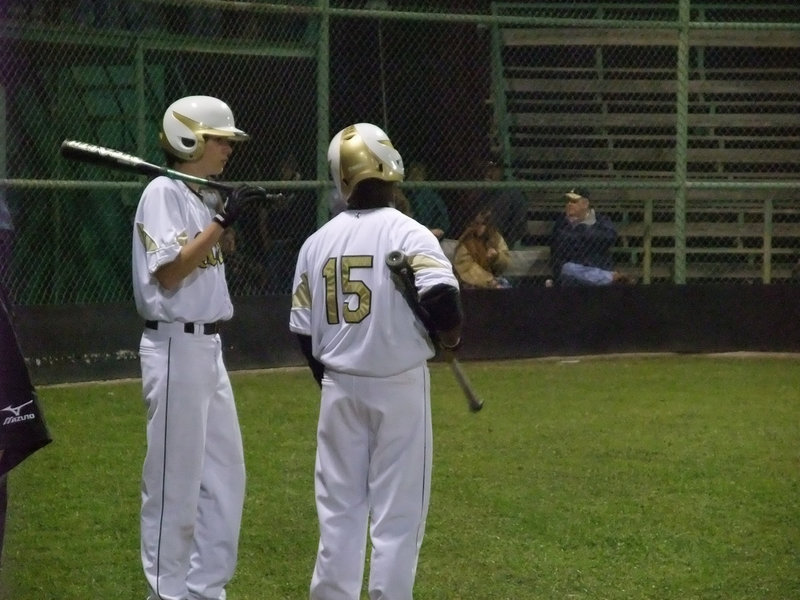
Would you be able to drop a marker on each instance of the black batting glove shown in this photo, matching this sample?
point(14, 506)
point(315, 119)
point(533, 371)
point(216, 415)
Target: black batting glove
point(236, 200)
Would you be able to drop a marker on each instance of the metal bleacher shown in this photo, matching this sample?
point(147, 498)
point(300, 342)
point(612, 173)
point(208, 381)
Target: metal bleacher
point(592, 91)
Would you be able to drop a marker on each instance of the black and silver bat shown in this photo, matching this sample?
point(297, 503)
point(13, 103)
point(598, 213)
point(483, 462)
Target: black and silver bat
point(403, 276)
point(121, 161)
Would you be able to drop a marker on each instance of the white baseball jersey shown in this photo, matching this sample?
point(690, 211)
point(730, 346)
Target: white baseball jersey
point(168, 216)
point(344, 297)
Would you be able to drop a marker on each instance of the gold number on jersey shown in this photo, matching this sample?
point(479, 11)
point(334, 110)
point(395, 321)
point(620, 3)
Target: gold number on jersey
point(350, 287)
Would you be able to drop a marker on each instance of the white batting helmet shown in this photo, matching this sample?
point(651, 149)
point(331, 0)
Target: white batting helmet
point(189, 119)
point(362, 151)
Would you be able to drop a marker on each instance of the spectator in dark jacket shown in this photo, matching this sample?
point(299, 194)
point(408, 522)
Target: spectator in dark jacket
point(580, 248)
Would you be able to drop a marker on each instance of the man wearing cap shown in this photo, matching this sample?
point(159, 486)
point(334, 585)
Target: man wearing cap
point(580, 247)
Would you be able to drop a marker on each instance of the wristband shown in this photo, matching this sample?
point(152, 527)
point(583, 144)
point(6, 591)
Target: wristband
point(221, 220)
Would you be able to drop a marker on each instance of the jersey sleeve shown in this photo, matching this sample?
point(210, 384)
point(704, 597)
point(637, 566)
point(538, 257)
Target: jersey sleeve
point(160, 226)
point(300, 314)
point(428, 261)
point(437, 285)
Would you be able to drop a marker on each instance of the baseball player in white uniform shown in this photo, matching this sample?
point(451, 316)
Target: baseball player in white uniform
point(193, 478)
point(369, 353)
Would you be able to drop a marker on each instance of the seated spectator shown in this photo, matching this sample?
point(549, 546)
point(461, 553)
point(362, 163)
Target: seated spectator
point(482, 254)
point(427, 206)
point(509, 206)
point(580, 248)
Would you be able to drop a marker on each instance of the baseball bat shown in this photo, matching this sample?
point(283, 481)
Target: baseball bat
point(121, 161)
point(403, 276)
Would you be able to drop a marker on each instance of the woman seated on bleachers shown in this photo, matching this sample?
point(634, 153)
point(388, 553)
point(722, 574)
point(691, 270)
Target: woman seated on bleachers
point(482, 254)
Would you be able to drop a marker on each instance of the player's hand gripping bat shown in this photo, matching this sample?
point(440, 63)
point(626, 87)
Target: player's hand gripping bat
point(114, 159)
point(403, 277)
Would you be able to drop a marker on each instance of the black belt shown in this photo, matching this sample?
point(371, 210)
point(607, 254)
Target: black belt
point(208, 328)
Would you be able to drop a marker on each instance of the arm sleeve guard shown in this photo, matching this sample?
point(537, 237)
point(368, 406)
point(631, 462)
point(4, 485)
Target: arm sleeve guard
point(443, 304)
point(317, 368)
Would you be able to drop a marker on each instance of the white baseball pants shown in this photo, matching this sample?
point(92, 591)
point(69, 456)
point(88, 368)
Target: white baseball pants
point(373, 468)
point(193, 480)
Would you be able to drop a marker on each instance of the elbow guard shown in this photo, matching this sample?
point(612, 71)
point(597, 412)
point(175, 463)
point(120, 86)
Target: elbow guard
point(443, 304)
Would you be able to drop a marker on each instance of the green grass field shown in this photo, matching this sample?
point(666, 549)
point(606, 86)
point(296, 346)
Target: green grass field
point(634, 478)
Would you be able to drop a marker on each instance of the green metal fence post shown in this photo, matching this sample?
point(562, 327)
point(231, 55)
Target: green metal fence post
point(647, 241)
point(499, 97)
point(323, 109)
point(141, 108)
point(766, 264)
point(681, 141)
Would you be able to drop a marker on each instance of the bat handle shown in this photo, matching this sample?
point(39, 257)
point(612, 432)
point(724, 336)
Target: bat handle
point(396, 260)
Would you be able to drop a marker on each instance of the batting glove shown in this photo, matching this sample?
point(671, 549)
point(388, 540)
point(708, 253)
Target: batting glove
point(236, 200)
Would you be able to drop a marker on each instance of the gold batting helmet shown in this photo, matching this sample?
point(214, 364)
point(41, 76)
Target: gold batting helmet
point(362, 151)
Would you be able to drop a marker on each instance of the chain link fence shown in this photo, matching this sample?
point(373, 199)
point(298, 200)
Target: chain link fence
point(681, 118)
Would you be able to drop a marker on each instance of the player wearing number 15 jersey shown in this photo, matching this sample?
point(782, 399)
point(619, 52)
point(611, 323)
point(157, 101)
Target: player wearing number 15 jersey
point(369, 353)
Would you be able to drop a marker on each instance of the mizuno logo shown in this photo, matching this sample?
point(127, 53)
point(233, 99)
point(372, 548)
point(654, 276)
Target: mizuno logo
point(15, 409)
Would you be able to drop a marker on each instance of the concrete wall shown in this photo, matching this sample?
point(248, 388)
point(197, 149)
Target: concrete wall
point(88, 342)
